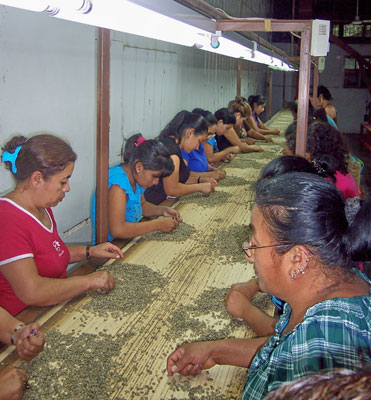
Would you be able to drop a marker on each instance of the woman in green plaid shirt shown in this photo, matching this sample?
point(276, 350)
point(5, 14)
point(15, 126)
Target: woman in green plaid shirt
point(303, 249)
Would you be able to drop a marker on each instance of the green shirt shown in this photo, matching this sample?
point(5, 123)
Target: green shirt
point(335, 333)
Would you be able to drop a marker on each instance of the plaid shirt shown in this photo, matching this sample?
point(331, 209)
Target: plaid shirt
point(335, 333)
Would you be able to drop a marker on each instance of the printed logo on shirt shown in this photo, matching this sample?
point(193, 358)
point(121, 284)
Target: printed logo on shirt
point(57, 247)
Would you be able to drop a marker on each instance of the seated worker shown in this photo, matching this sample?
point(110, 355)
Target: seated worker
point(33, 258)
point(257, 104)
point(226, 136)
point(29, 341)
point(319, 114)
point(327, 150)
point(144, 162)
point(300, 239)
point(324, 101)
point(196, 160)
point(240, 296)
point(242, 111)
point(184, 132)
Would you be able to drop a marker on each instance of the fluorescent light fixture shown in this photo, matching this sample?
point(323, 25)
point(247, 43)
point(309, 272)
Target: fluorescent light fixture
point(125, 16)
point(31, 5)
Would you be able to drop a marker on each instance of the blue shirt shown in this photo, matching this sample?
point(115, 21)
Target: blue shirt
point(213, 143)
point(117, 176)
point(196, 159)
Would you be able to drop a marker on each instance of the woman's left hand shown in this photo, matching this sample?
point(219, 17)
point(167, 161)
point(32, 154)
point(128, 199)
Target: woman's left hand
point(106, 250)
point(212, 181)
point(29, 341)
point(171, 212)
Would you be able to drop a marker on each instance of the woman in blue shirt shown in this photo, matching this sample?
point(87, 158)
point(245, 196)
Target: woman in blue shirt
point(144, 163)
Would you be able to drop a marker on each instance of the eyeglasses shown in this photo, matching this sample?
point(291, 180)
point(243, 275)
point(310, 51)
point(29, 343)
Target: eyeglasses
point(249, 249)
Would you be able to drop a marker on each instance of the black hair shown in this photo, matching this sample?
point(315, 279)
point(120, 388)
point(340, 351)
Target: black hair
point(284, 164)
point(46, 153)
point(259, 100)
point(182, 121)
point(327, 146)
point(319, 114)
point(209, 116)
point(226, 115)
point(152, 153)
point(324, 91)
point(293, 106)
point(305, 209)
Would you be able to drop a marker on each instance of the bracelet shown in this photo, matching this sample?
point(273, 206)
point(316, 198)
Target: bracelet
point(88, 252)
point(17, 328)
point(198, 179)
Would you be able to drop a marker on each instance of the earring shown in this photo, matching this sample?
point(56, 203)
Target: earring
point(297, 272)
point(137, 171)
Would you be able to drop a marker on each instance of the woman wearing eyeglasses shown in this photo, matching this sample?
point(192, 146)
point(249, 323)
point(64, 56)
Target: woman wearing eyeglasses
point(303, 249)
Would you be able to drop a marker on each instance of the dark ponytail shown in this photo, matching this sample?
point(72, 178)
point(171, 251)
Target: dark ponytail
point(152, 153)
point(182, 121)
point(357, 239)
point(210, 119)
point(259, 100)
point(305, 209)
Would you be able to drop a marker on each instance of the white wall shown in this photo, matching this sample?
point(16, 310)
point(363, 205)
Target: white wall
point(48, 83)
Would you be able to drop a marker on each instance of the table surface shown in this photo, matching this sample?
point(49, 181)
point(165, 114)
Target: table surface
point(117, 349)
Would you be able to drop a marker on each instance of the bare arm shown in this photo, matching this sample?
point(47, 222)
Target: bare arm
point(261, 128)
point(33, 289)
point(254, 134)
point(232, 137)
point(173, 187)
point(192, 358)
point(239, 304)
point(220, 155)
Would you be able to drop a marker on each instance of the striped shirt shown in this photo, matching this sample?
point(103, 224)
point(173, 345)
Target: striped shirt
point(335, 333)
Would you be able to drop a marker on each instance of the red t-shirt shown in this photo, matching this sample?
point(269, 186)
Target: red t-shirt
point(24, 236)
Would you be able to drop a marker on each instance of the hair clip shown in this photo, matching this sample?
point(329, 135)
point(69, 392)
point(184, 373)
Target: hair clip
point(140, 140)
point(11, 157)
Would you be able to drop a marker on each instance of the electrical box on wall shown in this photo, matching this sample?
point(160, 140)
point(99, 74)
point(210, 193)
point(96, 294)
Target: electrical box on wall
point(320, 37)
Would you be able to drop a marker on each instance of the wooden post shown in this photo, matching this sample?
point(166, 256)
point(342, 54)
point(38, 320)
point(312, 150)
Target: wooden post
point(103, 122)
point(284, 88)
point(315, 81)
point(239, 68)
point(270, 80)
point(303, 95)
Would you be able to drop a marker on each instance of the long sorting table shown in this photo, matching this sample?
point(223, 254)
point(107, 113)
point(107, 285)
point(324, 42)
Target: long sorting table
point(117, 349)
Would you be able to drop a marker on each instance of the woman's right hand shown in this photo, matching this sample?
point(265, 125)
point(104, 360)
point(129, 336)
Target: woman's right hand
point(167, 224)
point(13, 382)
point(101, 280)
point(235, 149)
point(205, 188)
point(190, 358)
point(29, 341)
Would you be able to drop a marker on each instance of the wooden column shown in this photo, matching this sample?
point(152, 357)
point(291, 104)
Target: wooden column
point(239, 68)
point(103, 122)
point(315, 80)
point(284, 88)
point(303, 95)
point(270, 80)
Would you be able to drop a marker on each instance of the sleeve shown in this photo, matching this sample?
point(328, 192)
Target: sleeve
point(186, 156)
point(119, 178)
point(326, 342)
point(15, 243)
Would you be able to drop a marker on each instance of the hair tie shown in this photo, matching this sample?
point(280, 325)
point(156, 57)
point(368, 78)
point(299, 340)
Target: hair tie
point(140, 140)
point(352, 206)
point(11, 157)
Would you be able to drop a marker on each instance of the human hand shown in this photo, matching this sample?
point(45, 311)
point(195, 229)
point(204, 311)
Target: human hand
point(106, 250)
point(250, 141)
point(228, 158)
point(167, 224)
point(237, 303)
point(235, 149)
point(172, 212)
point(101, 280)
point(29, 341)
point(276, 132)
point(210, 180)
point(205, 188)
point(257, 149)
point(268, 139)
point(221, 174)
point(13, 382)
point(190, 359)
point(249, 288)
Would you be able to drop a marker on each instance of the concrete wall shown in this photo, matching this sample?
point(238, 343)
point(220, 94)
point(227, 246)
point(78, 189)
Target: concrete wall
point(48, 83)
point(350, 103)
